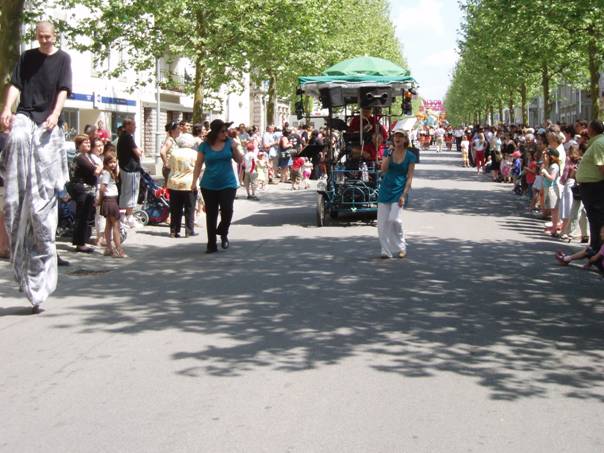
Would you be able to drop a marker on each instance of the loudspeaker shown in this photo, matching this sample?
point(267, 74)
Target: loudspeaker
point(331, 97)
point(374, 97)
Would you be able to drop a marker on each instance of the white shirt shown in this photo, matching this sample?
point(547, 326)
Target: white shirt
point(107, 180)
point(248, 161)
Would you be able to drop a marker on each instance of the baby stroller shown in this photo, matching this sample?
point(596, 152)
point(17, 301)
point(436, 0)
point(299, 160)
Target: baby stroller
point(66, 218)
point(155, 201)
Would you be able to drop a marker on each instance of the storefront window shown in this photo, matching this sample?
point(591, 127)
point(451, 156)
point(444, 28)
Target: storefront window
point(71, 125)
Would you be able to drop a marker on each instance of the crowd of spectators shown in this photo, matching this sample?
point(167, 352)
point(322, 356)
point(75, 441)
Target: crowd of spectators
point(559, 168)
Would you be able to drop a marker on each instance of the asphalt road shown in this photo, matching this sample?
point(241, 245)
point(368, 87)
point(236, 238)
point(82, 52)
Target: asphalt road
point(300, 339)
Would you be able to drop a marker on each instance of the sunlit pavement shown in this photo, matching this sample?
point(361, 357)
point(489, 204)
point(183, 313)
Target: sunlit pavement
point(299, 338)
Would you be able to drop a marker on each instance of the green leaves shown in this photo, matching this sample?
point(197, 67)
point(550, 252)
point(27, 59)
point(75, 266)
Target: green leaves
point(520, 45)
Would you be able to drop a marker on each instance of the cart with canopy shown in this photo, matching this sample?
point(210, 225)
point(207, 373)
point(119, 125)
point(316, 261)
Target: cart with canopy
point(347, 90)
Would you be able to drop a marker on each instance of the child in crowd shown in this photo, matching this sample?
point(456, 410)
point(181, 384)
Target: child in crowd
point(250, 172)
point(261, 170)
point(296, 172)
point(551, 177)
point(307, 172)
point(97, 148)
point(465, 149)
point(516, 169)
point(594, 258)
point(109, 206)
point(506, 168)
point(530, 174)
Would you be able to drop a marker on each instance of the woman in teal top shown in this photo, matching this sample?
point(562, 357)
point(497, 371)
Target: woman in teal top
point(219, 183)
point(398, 170)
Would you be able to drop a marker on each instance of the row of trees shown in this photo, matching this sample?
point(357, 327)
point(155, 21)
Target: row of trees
point(513, 50)
point(273, 40)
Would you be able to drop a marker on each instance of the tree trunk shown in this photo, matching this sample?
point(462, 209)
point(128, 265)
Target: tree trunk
point(545, 81)
point(200, 76)
point(492, 114)
point(511, 107)
point(501, 111)
point(523, 101)
point(272, 100)
point(11, 13)
point(594, 79)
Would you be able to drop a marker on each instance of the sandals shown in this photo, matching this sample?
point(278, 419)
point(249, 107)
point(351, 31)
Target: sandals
point(560, 257)
point(119, 253)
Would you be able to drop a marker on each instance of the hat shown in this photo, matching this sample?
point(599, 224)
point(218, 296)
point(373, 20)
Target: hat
point(399, 128)
point(553, 152)
point(218, 124)
point(516, 154)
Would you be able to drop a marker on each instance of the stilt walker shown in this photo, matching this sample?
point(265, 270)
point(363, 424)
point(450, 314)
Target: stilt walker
point(34, 163)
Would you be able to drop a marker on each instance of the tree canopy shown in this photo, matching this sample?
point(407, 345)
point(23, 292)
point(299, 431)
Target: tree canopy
point(273, 40)
point(511, 50)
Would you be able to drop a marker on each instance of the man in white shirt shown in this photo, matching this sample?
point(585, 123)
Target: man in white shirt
point(458, 134)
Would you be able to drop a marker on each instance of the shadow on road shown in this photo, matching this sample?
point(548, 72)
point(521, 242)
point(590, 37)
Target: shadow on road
point(302, 307)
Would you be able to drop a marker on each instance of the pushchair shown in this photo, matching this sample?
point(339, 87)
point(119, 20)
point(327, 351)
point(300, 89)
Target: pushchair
point(154, 201)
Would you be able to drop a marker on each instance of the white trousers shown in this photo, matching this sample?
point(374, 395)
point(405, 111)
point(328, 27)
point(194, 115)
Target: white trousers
point(34, 165)
point(390, 229)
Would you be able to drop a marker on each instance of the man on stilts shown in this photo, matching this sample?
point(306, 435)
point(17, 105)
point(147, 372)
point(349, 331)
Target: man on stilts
point(34, 163)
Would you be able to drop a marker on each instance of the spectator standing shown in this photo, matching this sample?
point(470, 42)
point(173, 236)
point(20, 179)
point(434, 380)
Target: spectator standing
point(458, 134)
point(182, 197)
point(218, 184)
point(269, 144)
point(129, 157)
point(173, 131)
point(250, 171)
point(590, 176)
point(103, 134)
point(35, 163)
point(84, 185)
point(109, 207)
point(439, 138)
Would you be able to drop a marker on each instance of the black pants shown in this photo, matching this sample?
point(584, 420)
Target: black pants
point(84, 217)
point(179, 200)
point(458, 144)
point(592, 195)
point(216, 200)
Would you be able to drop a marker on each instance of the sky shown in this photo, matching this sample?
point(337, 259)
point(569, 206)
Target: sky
point(428, 31)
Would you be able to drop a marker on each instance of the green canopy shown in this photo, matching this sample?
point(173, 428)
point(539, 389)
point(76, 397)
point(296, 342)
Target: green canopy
point(366, 66)
point(356, 79)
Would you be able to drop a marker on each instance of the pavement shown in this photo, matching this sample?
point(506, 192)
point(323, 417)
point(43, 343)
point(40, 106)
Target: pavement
point(300, 339)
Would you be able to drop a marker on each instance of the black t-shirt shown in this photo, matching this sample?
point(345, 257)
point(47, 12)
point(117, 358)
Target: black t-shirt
point(40, 78)
point(126, 156)
point(84, 170)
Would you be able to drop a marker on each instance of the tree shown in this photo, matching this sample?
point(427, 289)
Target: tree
point(11, 13)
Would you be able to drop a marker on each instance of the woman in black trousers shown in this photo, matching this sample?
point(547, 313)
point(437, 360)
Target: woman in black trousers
point(83, 191)
point(219, 182)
